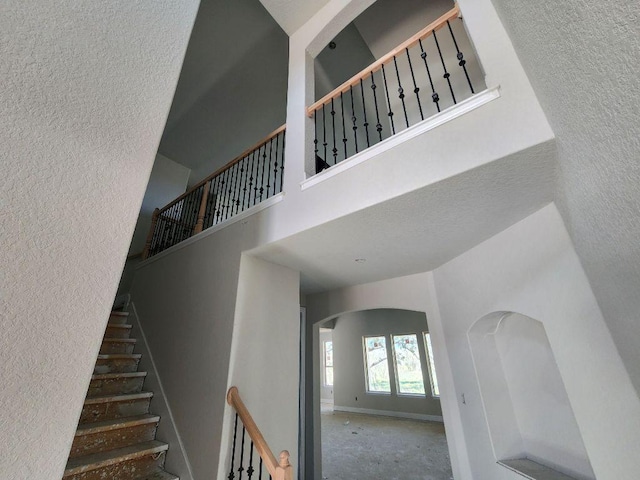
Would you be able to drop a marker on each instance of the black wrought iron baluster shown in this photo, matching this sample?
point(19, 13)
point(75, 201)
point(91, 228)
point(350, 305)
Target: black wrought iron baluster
point(353, 119)
point(260, 470)
point(446, 75)
point(324, 133)
point(401, 94)
point(172, 230)
point(264, 161)
point(275, 164)
point(364, 111)
point(461, 61)
point(416, 89)
point(219, 197)
point(211, 202)
point(243, 185)
point(255, 185)
point(232, 475)
point(315, 133)
point(434, 95)
point(250, 172)
point(250, 470)
point(333, 125)
point(236, 188)
point(241, 468)
point(214, 195)
point(386, 89)
point(268, 167)
point(282, 160)
point(227, 193)
point(375, 101)
point(344, 130)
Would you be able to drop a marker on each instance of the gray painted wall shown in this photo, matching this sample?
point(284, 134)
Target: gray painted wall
point(350, 384)
point(233, 86)
point(589, 89)
point(168, 180)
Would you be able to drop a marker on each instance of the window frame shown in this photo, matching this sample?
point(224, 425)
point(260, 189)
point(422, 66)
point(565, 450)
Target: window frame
point(395, 365)
point(366, 365)
point(324, 363)
point(428, 348)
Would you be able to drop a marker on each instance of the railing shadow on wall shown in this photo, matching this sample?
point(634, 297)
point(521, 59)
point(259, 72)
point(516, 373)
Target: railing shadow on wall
point(250, 178)
point(428, 71)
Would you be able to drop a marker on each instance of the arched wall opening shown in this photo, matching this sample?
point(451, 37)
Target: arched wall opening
point(384, 386)
point(529, 416)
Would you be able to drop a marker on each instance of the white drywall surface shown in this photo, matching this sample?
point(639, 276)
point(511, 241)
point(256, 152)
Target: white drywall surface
point(517, 374)
point(532, 269)
point(581, 58)
point(266, 332)
point(86, 88)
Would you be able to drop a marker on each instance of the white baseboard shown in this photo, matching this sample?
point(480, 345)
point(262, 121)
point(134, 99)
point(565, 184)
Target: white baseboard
point(387, 413)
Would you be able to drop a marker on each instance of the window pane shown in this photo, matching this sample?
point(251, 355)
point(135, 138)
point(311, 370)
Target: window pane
point(328, 376)
point(328, 363)
point(408, 367)
point(377, 366)
point(328, 353)
point(432, 369)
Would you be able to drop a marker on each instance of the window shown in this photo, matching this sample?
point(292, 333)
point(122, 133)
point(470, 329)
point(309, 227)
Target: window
point(435, 391)
point(375, 350)
point(328, 363)
point(407, 362)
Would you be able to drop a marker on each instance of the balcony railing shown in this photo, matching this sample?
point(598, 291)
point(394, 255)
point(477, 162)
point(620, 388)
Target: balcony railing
point(247, 180)
point(428, 71)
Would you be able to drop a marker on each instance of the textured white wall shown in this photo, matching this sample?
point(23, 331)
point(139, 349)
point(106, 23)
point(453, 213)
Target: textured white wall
point(86, 87)
point(532, 269)
point(582, 59)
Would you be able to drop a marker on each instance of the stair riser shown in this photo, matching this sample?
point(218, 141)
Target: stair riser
point(99, 412)
point(115, 332)
point(118, 319)
point(116, 347)
point(123, 471)
point(112, 439)
point(115, 386)
point(116, 365)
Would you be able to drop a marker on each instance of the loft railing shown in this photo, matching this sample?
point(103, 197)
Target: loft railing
point(351, 118)
point(253, 176)
point(242, 453)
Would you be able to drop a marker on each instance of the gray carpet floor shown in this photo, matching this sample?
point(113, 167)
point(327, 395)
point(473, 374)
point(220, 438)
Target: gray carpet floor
point(357, 446)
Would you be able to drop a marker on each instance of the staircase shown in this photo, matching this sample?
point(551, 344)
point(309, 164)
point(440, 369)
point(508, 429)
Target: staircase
point(116, 434)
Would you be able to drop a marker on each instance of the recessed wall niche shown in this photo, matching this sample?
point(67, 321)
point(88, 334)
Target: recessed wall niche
point(531, 423)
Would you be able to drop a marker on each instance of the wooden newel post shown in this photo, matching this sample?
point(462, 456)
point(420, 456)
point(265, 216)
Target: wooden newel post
point(203, 208)
point(284, 470)
point(152, 230)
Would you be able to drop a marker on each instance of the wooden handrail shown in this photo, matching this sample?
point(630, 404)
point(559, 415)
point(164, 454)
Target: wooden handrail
point(227, 166)
point(377, 65)
point(147, 243)
point(279, 469)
